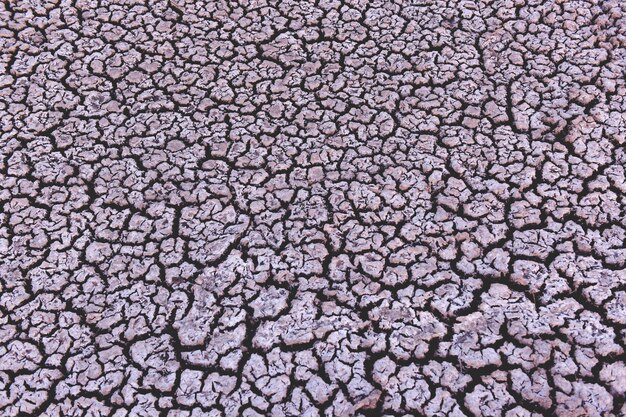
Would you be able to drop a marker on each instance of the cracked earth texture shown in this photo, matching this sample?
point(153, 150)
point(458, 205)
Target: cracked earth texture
point(313, 208)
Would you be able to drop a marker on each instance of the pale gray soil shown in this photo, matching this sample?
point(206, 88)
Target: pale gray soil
point(313, 208)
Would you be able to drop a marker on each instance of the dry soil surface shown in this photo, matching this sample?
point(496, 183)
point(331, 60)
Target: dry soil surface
point(333, 208)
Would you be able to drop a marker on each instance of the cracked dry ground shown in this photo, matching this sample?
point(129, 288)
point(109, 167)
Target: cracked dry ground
point(298, 208)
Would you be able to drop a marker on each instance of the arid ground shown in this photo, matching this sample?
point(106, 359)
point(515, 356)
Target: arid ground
point(312, 208)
